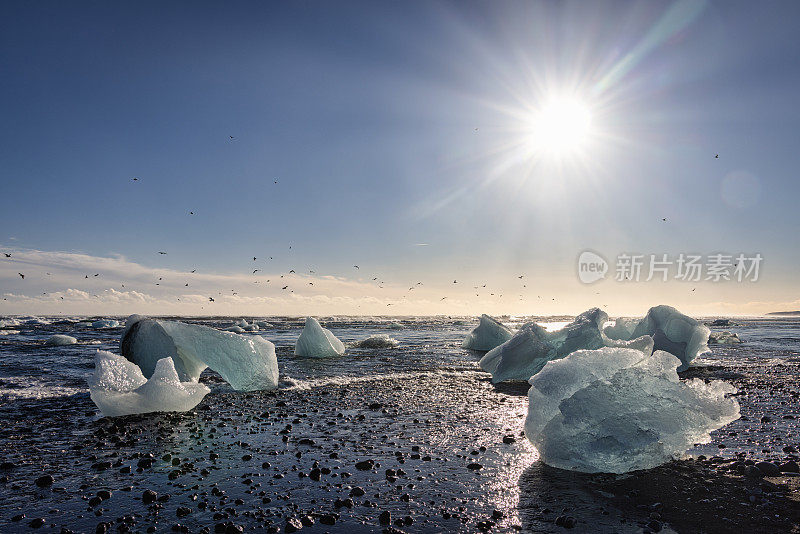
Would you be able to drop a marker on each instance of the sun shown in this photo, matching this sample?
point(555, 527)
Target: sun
point(560, 127)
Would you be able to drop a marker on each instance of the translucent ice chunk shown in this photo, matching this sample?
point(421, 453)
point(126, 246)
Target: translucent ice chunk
point(724, 338)
point(118, 387)
point(618, 410)
point(532, 346)
point(317, 342)
point(246, 362)
point(59, 340)
point(675, 333)
point(489, 334)
point(105, 323)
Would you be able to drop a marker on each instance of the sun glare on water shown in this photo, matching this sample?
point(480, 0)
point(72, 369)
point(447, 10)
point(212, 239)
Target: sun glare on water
point(562, 126)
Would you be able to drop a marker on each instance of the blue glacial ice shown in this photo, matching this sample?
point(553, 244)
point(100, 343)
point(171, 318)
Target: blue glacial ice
point(532, 346)
point(247, 363)
point(118, 387)
point(617, 410)
point(58, 340)
point(317, 342)
point(675, 333)
point(487, 335)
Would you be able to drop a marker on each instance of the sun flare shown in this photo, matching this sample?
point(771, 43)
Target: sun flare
point(562, 126)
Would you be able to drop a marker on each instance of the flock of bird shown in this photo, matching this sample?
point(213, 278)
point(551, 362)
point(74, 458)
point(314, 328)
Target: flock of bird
point(380, 283)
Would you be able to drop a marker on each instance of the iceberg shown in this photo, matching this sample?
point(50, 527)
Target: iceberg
point(622, 328)
point(489, 334)
point(105, 323)
point(235, 329)
point(674, 332)
point(264, 324)
point(395, 326)
point(317, 342)
point(724, 338)
point(247, 363)
point(617, 410)
point(379, 341)
point(532, 346)
point(58, 340)
point(118, 387)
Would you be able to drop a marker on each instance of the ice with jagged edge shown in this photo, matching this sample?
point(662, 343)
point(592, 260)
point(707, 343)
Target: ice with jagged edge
point(674, 332)
point(58, 340)
point(247, 363)
point(118, 387)
point(617, 410)
point(489, 334)
point(317, 342)
point(378, 341)
point(533, 346)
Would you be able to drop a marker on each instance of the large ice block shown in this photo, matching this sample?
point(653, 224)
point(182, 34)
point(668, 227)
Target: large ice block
point(246, 362)
point(317, 342)
point(118, 387)
point(675, 333)
point(618, 410)
point(532, 346)
point(489, 334)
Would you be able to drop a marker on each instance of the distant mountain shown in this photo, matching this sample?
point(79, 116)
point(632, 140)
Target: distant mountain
point(785, 313)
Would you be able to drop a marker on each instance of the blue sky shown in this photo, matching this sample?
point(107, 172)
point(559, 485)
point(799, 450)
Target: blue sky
point(389, 125)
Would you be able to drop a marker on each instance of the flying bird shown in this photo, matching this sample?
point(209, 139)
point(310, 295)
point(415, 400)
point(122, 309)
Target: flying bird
point(160, 252)
point(22, 275)
point(191, 213)
point(193, 270)
point(255, 271)
point(284, 287)
point(135, 179)
point(716, 157)
point(442, 298)
point(211, 299)
point(254, 258)
point(291, 270)
point(231, 137)
point(7, 254)
point(356, 266)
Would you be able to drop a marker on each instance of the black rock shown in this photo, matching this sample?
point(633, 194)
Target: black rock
point(768, 468)
point(293, 525)
point(357, 492)
point(474, 466)
point(183, 511)
point(36, 523)
point(149, 496)
point(44, 481)
point(790, 467)
point(328, 519)
point(385, 518)
point(365, 465)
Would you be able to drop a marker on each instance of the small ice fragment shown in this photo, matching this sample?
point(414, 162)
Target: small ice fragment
point(317, 342)
point(58, 340)
point(105, 323)
point(489, 334)
point(724, 338)
point(617, 410)
point(118, 387)
point(378, 341)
